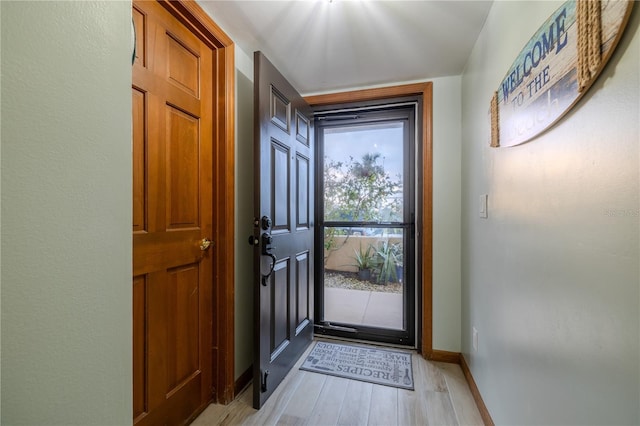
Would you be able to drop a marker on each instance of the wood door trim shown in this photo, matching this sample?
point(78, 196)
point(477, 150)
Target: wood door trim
point(197, 20)
point(425, 336)
point(445, 356)
point(477, 397)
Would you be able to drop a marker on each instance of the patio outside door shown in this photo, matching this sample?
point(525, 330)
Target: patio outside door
point(366, 223)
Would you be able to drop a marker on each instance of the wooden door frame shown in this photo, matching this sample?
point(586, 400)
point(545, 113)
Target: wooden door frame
point(193, 17)
point(425, 90)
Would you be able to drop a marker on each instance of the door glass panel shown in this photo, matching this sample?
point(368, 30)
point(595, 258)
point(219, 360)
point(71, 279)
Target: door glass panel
point(366, 221)
point(363, 172)
point(364, 276)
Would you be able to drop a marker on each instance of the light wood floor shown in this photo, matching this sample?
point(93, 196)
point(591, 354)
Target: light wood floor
point(441, 397)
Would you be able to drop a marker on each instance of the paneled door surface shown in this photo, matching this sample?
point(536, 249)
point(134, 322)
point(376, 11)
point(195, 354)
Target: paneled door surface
point(283, 236)
point(172, 218)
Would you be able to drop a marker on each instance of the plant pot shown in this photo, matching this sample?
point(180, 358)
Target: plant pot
point(399, 273)
point(364, 274)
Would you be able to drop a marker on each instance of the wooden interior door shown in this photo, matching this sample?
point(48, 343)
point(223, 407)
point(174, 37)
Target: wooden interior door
point(172, 218)
point(284, 206)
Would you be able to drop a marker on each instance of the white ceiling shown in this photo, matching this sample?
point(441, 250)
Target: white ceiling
point(322, 45)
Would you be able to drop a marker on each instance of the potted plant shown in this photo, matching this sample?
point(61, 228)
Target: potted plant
point(365, 261)
point(387, 261)
point(398, 255)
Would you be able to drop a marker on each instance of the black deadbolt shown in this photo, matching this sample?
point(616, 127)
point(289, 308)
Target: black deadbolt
point(266, 222)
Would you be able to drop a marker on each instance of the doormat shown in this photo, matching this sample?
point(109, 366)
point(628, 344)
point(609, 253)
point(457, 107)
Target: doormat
point(374, 365)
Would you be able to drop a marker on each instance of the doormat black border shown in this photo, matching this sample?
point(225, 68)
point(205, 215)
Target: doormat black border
point(328, 371)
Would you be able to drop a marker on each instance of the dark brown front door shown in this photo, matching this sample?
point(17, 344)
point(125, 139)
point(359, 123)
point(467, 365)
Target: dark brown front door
point(172, 218)
point(283, 261)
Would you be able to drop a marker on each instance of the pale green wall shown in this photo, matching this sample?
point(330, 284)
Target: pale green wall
point(244, 213)
point(446, 213)
point(66, 213)
point(551, 278)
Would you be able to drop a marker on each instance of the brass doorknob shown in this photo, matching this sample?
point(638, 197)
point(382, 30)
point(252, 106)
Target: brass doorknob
point(205, 243)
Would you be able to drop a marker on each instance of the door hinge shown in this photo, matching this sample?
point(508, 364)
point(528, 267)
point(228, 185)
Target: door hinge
point(263, 380)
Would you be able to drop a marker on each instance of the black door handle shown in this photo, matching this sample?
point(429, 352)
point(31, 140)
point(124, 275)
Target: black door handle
point(267, 247)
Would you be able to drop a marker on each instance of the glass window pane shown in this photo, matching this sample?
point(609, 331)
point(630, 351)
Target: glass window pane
point(363, 172)
point(364, 276)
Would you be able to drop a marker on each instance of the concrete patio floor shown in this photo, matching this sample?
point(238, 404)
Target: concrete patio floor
point(360, 307)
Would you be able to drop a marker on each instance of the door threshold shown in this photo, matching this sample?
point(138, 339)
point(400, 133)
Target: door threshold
point(329, 326)
point(319, 338)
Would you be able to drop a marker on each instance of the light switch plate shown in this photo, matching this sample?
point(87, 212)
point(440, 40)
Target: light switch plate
point(483, 206)
point(475, 339)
